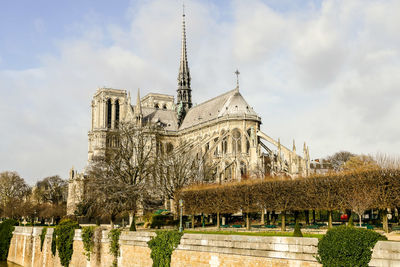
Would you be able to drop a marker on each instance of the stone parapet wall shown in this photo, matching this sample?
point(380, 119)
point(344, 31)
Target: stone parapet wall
point(240, 250)
point(194, 250)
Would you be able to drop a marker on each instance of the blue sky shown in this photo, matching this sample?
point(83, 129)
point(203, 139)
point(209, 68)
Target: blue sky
point(324, 72)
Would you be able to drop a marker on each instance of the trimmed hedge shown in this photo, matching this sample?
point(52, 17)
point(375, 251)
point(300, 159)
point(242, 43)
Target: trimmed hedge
point(347, 246)
point(6, 230)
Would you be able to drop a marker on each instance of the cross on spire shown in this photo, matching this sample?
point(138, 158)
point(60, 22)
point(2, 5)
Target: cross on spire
point(237, 78)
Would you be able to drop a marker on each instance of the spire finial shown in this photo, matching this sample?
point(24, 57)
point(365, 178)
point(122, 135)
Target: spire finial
point(237, 78)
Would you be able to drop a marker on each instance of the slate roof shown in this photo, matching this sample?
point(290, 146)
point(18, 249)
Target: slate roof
point(167, 118)
point(230, 103)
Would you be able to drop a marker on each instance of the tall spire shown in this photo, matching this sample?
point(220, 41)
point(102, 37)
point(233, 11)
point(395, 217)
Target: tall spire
point(184, 99)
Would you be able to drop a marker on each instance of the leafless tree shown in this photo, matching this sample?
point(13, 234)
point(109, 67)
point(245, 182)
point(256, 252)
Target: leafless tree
point(117, 182)
point(338, 159)
point(13, 191)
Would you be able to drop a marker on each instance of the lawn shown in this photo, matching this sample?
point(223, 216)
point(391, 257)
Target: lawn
point(267, 233)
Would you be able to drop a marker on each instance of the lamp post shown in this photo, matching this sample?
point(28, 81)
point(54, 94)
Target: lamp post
point(180, 220)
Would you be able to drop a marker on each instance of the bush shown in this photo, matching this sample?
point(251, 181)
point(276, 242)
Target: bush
point(162, 247)
point(297, 230)
point(6, 230)
point(65, 232)
point(347, 246)
point(53, 243)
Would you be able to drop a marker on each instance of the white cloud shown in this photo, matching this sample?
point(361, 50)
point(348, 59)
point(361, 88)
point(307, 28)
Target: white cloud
point(328, 76)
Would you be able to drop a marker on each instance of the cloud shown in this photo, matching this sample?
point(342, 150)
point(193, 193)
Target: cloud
point(327, 75)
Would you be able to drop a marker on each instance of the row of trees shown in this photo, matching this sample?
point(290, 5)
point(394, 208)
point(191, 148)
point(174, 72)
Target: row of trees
point(358, 191)
point(45, 200)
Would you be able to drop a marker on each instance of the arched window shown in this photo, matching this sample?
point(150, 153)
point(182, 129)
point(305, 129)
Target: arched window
point(116, 113)
point(228, 170)
point(108, 122)
point(236, 141)
point(216, 147)
point(156, 106)
point(243, 169)
point(164, 106)
point(224, 145)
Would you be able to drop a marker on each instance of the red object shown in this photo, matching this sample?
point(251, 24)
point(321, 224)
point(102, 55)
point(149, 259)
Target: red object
point(344, 217)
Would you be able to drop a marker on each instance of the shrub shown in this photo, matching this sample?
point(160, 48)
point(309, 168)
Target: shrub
point(6, 230)
point(42, 237)
point(347, 246)
point(113, 235)
point(53, 243)
point(297, 230)
point(88, 240)
point(162, 247)
point(65, 232)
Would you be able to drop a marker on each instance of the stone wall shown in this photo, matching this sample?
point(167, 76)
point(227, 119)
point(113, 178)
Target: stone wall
point(194, 250)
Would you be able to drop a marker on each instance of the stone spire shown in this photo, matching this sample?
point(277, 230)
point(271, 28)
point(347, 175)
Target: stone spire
point(138, 110)
point(184, 99)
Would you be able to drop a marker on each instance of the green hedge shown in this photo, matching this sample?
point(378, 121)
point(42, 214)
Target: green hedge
point(162, 247)
point(6, 230)
point(347, 246)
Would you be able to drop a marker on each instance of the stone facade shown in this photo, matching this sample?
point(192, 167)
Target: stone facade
point(199, 250)
point(225, 128)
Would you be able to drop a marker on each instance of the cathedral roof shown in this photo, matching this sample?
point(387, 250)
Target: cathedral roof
point(167, 118)
point(231, 103)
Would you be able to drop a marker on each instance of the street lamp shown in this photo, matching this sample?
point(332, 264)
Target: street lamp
point(180, 221)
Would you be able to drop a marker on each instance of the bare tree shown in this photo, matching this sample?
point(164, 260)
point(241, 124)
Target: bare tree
point(360, 194)
point(13, 190)
point(339, 158)
point(117, 182)
point(52, 190)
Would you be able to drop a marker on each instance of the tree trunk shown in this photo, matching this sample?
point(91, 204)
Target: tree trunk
point(268, 221)
point(112, 224)
point(132, 226)
point(329, 219)
point(192, 221)
point(218, 223)
point(307, 215)
point(385, 221)
point(359, 217)
point(247, 221)
point(313, 216)
point(262, 217)
point(283, 221)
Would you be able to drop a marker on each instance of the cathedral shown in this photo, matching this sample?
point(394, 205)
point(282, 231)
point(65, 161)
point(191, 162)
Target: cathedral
point(225, 128)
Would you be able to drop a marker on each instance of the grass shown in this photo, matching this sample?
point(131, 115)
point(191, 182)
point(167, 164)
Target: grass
point(269, 233)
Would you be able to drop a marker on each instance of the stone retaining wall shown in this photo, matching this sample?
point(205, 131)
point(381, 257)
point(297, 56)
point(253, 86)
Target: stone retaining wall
point(194, 250)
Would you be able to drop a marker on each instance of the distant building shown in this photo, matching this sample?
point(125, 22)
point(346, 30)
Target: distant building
point(320, 166)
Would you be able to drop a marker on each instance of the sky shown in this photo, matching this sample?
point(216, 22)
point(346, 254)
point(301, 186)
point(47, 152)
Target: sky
point(322, 72)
